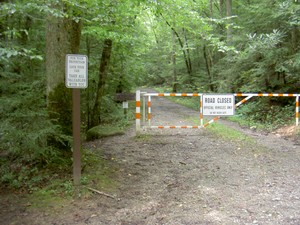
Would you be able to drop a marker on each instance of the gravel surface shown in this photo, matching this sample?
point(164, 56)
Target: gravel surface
point(187, 177)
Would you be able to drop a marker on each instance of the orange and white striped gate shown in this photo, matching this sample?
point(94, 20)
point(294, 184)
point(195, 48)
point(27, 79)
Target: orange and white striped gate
point(200, 95)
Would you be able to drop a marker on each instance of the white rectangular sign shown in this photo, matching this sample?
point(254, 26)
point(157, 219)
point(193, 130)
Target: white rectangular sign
point(76, 71)
point(218, 105)
point(125, 105)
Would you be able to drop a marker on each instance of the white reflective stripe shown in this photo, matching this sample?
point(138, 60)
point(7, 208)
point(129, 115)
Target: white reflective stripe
point(265, 94)
point(173, 94)
point(173, 127)
point(243, 101)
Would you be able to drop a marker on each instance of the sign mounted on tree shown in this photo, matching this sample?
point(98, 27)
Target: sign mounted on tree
point(218, 105)
point(76, 71)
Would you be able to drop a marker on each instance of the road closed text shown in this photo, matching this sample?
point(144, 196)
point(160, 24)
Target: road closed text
point(217, 100)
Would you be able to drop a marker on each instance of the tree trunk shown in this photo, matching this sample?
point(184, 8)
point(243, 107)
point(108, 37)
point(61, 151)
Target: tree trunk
point(188, 53)
point(62, 37)
point(229, 14)
point(103, 69)
point(174, 85)
point(185, 55)
point(87, 97)
point(211, 8)
point(208, 64)
point(221, 7)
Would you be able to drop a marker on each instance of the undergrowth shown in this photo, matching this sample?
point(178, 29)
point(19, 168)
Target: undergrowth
point(34, 150)
point(262, 114)
point(97, 173)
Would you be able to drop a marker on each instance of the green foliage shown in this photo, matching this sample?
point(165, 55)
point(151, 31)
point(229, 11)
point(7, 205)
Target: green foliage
point(229, 133)
point(25, 134)
point(98, 173)
point(265, 114)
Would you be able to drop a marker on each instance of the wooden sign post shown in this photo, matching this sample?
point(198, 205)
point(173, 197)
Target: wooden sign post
point(76, 78)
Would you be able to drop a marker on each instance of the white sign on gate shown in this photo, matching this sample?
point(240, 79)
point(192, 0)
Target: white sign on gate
point(76, 71)
point(218, 104)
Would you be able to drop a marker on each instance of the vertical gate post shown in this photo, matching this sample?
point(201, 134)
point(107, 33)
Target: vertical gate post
point(149, 110)
point(144, 110)
point(138, 112)
point(201, 110)
point(297, 110)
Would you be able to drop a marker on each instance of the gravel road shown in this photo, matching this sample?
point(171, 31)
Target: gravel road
point(190, 177)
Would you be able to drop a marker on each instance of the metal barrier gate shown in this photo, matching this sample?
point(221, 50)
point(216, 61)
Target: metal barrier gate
point(200, 95)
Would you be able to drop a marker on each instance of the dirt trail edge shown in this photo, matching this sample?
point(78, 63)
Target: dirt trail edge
point(191, 177)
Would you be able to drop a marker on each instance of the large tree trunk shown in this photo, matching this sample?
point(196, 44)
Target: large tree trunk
point(62, 37)
point(103, 69)
point(229, 14)
point(174, 85)
point(208, 64)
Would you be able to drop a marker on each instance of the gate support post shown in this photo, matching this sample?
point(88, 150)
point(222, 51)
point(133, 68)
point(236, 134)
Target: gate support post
point(149, 110)
point(297, 110)
point(138, 112)
point(201, 110)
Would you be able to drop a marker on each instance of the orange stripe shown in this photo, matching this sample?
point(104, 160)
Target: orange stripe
point(161, 94)
point(195, 127)
point(216, 118)
point(184, 127)
point(201, 116)
point(195, 94)
point(290, 95)
point(270, 95)
point(172, 94)
point(184, 94)
point(137, 104)
point(243, 101)
point(280, 95)
point(297, 115)
point(138, 116)
point(149, 104)
point(149, 116)
point(239, 94)
point(172, 127)
point(297, 104)
point(161, 127)
point(260, 94)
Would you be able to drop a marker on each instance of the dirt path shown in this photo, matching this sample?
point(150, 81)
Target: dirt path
point(190, 177)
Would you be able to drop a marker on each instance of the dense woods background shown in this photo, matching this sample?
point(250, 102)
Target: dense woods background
point(222, 46)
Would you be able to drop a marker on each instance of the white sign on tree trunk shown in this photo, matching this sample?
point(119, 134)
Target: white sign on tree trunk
point(76, 71)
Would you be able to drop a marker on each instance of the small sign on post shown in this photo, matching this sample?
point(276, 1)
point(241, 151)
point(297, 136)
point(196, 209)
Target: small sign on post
point(76, 78)
point(218, 105)
point(76, 71)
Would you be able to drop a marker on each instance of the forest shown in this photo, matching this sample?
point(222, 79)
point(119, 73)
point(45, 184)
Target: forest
point(207, 46)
